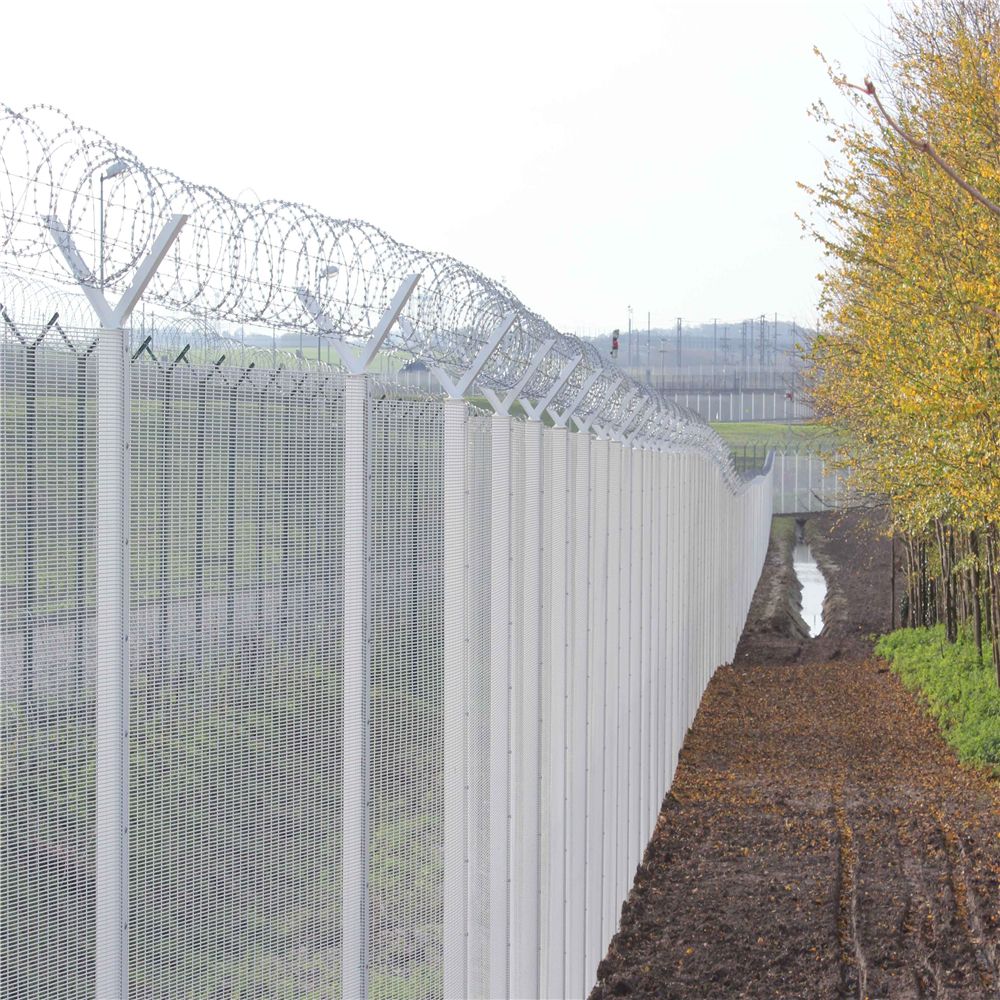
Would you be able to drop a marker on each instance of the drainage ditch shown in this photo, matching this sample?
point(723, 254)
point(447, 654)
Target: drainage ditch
point(812, 581)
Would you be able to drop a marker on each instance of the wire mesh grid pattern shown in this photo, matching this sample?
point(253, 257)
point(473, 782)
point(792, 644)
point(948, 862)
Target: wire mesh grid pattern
point(806, 481)
point(315, 686)
point(406, 685)
point(47, 591)
point(235, 681)
point(452, 806)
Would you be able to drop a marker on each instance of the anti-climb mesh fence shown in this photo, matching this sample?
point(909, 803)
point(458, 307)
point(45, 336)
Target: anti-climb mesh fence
point(407, 681)
point(236, 674)
point(406, 696)
point(47, 648)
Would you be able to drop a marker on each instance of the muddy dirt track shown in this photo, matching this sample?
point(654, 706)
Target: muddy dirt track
point(820, 839)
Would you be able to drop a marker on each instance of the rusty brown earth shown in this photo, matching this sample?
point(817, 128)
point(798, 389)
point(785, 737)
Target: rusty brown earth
point(820, 839)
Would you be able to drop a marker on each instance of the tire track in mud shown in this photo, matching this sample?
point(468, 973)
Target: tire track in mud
point(917, 929)
point(967, 908)
point(853, 963)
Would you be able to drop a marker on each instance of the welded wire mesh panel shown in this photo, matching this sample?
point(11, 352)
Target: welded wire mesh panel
point(551, 623)
point(522, 788)
point(47, 724)
point(236, 676)
point(577, 702)
point(478, 464)
point(613, 767)
point(236, 855)
point(407, 763)
point(804, 482)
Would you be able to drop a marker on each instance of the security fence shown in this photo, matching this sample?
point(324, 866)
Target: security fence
point(745, 404)
point(407, 680)
point(805, 480)
point(315, 686)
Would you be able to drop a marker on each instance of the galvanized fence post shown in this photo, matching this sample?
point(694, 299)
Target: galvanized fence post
point(455, 928)
point(598, 705)
point(358, 598)
point(613, 765)
point(656, 708)
point(796, 507)
point(112, 790)
point(456, 924)
point(578, 817)
point(663, 657)
point(624, 671)
point(645, 650)
point(113, 596)
point(357, 601)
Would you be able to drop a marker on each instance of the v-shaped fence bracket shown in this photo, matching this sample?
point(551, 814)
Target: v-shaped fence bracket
point(357, 364)
point(113, 317)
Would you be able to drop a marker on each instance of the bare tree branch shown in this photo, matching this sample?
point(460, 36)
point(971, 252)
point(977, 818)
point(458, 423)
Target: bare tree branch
point(924, 146)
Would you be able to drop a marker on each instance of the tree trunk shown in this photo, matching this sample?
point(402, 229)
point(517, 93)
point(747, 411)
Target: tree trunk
point(987, 599)
point(991, 554)
point(953, 578)
point(924, 596)
point(944, 590)
point(977, 610)
point(892, 583)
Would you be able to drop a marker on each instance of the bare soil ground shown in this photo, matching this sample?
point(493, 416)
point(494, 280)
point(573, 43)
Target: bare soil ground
point(820, 839)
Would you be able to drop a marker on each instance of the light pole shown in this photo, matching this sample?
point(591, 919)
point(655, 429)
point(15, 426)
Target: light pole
point(649, 357)
point(629, 362)
point(327, 272)
point(116, 168)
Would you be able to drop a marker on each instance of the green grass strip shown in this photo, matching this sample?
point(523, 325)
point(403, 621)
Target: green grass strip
point(960, 692)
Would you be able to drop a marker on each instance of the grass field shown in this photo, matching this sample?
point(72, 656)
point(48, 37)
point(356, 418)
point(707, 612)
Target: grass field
point(381, 364)
point(812, 435)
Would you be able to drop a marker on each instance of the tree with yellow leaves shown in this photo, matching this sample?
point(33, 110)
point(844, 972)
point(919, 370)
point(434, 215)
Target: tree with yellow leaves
point(906, 360)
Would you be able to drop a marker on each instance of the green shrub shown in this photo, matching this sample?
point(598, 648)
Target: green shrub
point(961, 693)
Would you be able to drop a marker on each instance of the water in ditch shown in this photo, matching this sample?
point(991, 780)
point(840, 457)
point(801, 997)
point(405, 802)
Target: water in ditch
point(813, 587)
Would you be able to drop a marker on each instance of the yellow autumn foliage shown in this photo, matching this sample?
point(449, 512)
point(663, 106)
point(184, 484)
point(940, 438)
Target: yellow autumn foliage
point(906, 359)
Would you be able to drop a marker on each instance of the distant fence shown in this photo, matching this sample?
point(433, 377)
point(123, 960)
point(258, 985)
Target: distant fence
point(804, 481)
point(717, 378)
point(407, 681)
point(768, 405)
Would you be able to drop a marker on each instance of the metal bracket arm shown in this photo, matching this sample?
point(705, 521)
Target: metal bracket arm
point(358, 364)
point(503, 405)
point(312, 307)
point(642, 435)
point(389, 317)
point(561, 419)
point(144, 273)
point(458, 389)
point(613, 432)
point(112, 319)
point(585, 423)
point(535, 411)
point(623, 435)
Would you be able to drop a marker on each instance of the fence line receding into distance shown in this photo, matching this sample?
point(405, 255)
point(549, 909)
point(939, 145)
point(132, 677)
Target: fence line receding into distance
point(314, 685)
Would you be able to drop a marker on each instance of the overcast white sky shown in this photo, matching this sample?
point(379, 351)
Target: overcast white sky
point(595, 155)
